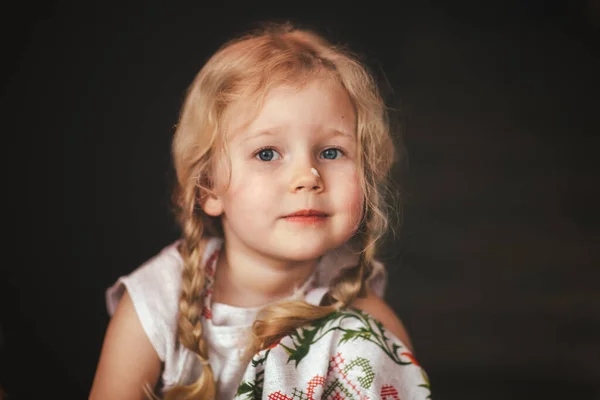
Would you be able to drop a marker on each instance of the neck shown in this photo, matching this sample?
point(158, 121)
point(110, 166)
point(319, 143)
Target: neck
point(248, 279)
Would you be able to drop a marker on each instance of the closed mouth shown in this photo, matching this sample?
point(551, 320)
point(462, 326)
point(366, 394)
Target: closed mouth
point(307, 213)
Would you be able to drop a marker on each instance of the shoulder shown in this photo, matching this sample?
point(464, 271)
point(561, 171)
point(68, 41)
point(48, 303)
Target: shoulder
point(125, 376)
point(380, 310)
point(159, 275)
point(151, 292)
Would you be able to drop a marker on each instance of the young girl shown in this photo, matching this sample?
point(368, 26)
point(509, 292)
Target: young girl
point(281, 154)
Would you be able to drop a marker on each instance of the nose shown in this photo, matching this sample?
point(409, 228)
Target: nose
point(306, 180)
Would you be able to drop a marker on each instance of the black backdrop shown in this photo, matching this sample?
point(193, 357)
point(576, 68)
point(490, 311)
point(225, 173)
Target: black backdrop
point(495, 272)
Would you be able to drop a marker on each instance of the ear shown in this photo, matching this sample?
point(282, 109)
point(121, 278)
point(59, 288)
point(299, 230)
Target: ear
point(209, 200)
point(213, 206)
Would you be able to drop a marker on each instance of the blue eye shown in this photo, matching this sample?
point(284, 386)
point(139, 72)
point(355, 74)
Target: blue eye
point(267, 155)
point(331, 153)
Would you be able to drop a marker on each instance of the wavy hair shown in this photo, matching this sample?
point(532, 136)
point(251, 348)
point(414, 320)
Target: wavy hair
point(245, 69)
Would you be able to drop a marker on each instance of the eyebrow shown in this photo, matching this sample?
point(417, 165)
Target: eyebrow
point(263, 132)
point(275, 130)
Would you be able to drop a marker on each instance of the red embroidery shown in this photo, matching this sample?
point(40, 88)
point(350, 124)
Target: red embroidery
point(411, 357)
point(209, 278)
point(336, 362)
point(274, 344)
point(336, 366)
point(389, 391)
point(314, 383)
point(279, 396)
point(206, 313)
point(209, 267)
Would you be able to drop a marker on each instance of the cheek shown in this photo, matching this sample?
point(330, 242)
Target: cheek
point(249, 192)
point(351, 196)
point(357, 204)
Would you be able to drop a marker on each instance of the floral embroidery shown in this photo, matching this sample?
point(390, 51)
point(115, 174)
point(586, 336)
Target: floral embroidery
point(345, 378)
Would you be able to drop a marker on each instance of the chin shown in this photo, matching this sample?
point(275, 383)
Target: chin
point(302, 256)
point(302, 251)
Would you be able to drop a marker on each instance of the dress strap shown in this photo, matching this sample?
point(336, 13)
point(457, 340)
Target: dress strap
point(209, 279)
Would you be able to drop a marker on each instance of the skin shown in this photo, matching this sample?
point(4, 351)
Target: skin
point(127, 360)
point(266, 256)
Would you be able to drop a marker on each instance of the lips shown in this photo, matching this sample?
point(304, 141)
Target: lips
point(307, 213)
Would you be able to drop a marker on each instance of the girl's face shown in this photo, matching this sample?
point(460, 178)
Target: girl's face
point(272, 159)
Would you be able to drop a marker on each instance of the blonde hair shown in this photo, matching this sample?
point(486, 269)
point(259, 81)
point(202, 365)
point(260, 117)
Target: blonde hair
point(246, 69)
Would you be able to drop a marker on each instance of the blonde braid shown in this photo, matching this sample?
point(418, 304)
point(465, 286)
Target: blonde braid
point(191, 302)
point(351, 282)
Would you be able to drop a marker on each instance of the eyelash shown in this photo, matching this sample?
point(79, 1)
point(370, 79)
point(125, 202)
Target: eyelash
point(257, 152)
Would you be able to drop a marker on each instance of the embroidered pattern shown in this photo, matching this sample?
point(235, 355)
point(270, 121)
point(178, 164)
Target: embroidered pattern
point(209, 280)
point(389, 391)
point(344, 378)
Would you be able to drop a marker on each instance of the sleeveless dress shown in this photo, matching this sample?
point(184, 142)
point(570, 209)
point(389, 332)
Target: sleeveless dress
point(347, 355)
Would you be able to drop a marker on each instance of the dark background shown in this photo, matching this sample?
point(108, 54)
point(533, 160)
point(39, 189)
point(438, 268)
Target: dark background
point(495, 271)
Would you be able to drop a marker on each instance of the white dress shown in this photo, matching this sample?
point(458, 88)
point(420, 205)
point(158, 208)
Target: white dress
point(348, 355)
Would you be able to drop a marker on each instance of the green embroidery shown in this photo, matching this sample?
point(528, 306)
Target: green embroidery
point(258, 360)
point(303, 338)
point(425, 385)
point(299, 395)
point(371, 331)
point(336, 384)
point(367, 380)
point(254, 389)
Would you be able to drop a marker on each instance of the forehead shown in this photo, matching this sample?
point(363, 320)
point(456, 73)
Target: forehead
point(320, 105)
